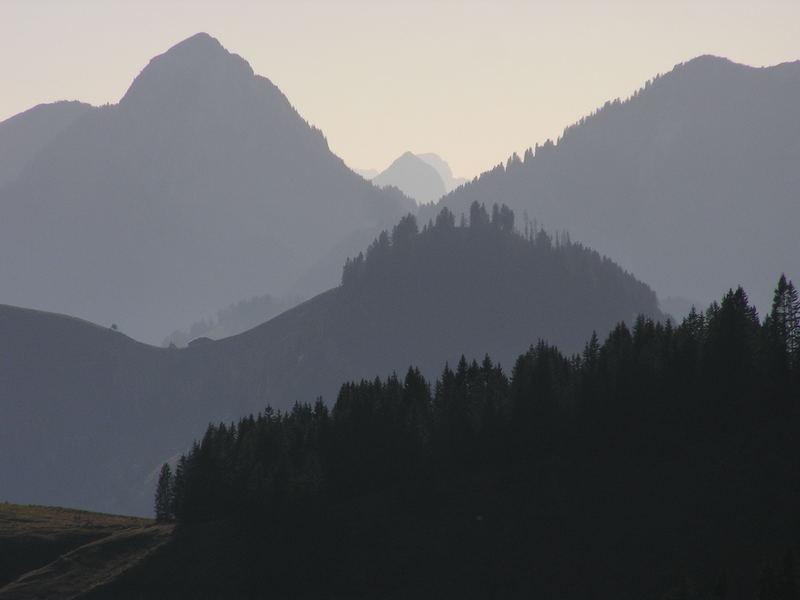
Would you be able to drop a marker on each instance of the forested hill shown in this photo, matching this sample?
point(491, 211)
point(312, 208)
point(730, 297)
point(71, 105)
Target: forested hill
point(488, 288)
point(203, 186)
point(659, 463)
point(113, 413)
point(691, 183)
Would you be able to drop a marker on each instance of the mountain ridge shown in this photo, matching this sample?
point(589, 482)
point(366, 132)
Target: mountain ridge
point(688, 182)
point(203, 186)
point(23, 135)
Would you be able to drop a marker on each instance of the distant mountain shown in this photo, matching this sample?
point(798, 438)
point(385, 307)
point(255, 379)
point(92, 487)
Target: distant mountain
point(367, 173)
point(89, 414)
point(441, 166)
point(692, 183)
point(234, 319)
point(403, 179)
point(24, 135)
point(414, 177)
point(203, 186)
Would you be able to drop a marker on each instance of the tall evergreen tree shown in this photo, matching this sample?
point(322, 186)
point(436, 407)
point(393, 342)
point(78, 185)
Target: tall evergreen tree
point(165, 495)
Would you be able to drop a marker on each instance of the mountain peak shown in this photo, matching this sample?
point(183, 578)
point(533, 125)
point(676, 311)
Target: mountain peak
point(709, 63)
point(709, 59)
point(197, 61)
point(713, 63)
point(197, 48)
point(199, 40)
point(414, 177)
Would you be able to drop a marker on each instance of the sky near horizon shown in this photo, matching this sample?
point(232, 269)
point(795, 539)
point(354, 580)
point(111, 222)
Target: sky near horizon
point(470, 80)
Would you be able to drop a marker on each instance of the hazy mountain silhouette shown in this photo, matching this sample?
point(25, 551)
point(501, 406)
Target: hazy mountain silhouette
point(409, 175)
point(24, 135)
point(692, 183)
point(203, 186)
point(441, 166)
point(367, 173)
point(414, 177)
point(90, 414)
point(234, 319)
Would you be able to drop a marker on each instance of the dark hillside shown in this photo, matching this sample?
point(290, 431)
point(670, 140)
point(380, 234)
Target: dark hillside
point(73, 394)
point(661, 463)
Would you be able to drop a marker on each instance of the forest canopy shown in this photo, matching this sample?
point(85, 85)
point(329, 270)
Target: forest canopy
point(638, 418)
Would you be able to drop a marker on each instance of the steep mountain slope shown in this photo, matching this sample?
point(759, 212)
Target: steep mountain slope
point(203, 186)
point(89, 414)
point(24, 135)
point(691, 183)
point(414, 177)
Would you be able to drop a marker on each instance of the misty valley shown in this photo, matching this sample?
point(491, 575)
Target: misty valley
point(576, 375)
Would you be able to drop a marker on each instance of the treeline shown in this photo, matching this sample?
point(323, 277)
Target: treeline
point(676, 438)
point(490, 285)
point(406, 239)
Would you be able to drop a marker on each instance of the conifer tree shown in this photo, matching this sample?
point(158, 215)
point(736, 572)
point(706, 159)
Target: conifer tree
point(165, 495)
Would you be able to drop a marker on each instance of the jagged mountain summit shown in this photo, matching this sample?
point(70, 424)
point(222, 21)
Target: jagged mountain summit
point(203, 186)
point(414, 177)
point(692, 183)
point(87, 404)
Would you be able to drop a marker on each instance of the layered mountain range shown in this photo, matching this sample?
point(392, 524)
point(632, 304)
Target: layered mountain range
point(90, 414)
point(201, 187)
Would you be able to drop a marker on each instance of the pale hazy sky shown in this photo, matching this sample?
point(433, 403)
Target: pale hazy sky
point(470, 80)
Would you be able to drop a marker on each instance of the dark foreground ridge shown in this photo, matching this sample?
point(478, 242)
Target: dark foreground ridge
point(665, 457)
